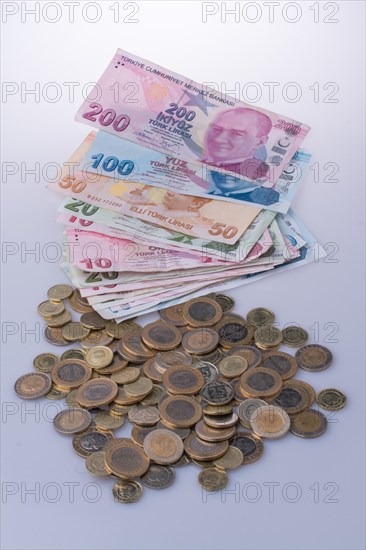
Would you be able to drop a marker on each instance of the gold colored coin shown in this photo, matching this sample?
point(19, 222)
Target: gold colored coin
point(60, 292)
point(125, 459)
point(267, 337)
point(331, 399)
point(232, 459)
point(90, 441)
point(72, 421)
point(161, 336)
point(74, 353)
point(56, 394)
point(134, 346)
point(119, 330)
point(140, 388)
point(154, 396)
point(180, 411)
point(294, 336)
point(198, 449)
point(138, 434)
point(70, 373)
point(208, 433)
point(310, 391)
point(270, 421)
point(200, 340)
point(233, 366)
point(249, 444)
point(127, 492)
point(33, 385)
point(173, 315)
point(92, 320)
point(54, 336)
point(74, 331)
point(260, 316)
point(97, 392)
point(123, 399)
point(163, 446)
point(260, 382)
point(96, 338)
point(213, 479)
point(183, 380)
point(104, 420)
point(79, 304)
point(143, 416)
point(95, 463)
point(59, 320)
point(201, 312)
point(99, 357)
point(309, 424)
point(117, 365)
point(217, 410)
point(126, 376)
point(221, 422)
point(150, 370)
point(252, 355)
point(71, 399)
point(44, 362)
point(50, 309)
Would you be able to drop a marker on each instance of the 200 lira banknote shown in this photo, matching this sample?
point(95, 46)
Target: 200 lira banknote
point(142, 102)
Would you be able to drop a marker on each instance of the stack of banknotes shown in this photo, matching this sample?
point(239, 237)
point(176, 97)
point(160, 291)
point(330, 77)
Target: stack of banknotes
point(178, 191)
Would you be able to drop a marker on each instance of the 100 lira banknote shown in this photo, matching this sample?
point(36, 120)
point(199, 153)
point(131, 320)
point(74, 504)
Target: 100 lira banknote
point(142, 102)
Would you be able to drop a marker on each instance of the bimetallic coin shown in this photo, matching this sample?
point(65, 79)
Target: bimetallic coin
point(59, 320)
point(217, 393)
point(225, 302)
point(93, 321)
point(260, 316)
point(270, 421)
point(249, 444)
point(309, 389)
point(233, 333)
point(252, 355)
point(127, 492)
point(50, 309)
point(331, 399)
point(213, 479)
point(123, 399)
point(175, 358)
point(233, 366)
point(293, 398)
point(96, 393)
point(214, 356)
point(33, 385)
point(96, 465)
point(54, 336)
point(180, 411)
point(314, 357)
point(118, 330)
point(104, 420)
point(70, 373)
point(133, 345)
point(309, 424)
point(283, 363)
point(91, 441)
point(140, 388)
point(200, 341)
point(99, 357)
point(143, 416)
point(74, 331)
point(198, 449)
point(260, 382)
point(247, 408)
point(125, 459)
point(183, 380)
point(73, 353)
point(161, 336)
point(59, 292)
point(267, 337)
point(202, 312)
point(163, 446)
point(158, 477)
point(217, 410)
point(173, 315)
point(72, 421)
point(221, 421)
point(44, 362)
point(154, 396)
point(138, 434)
point(294, 336)
point(71, 399)
point(232, 459)
point(96, 338)
point(150, 370)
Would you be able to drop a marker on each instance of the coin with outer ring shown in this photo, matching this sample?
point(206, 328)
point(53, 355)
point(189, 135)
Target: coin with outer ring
point(331, 399)
point(201, 312)
point(163, 446)
point(270, 421)
point(161, 336)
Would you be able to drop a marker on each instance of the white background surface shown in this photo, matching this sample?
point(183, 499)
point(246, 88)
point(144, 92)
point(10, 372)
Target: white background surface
point(328, 295)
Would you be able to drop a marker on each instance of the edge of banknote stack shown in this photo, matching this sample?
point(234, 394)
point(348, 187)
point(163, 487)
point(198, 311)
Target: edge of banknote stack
point(180, 192)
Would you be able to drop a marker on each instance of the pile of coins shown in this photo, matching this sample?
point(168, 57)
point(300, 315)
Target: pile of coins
point(202, 384)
